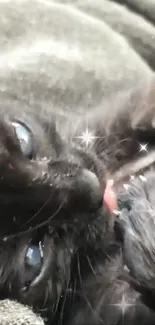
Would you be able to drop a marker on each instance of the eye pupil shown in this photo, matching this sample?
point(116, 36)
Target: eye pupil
point(33, 256)
point(33, 262)
point(25, 138)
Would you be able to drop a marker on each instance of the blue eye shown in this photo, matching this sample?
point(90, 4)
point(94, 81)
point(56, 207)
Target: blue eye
point(34, 255)
point(25, 137)
point(33, 261)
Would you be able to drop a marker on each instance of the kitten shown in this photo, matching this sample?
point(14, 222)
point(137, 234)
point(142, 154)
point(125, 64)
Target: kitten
point(58, 251)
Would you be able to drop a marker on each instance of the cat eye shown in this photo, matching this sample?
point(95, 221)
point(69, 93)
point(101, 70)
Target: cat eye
point(25, 138)
point(33, 261)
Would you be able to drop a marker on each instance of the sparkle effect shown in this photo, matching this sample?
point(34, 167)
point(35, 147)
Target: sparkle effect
point(87, 137)
point(132, 177)
point(124, 305)
point(143, 147)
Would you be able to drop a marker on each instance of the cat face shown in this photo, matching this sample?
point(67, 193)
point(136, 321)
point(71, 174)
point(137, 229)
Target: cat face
point(51, 207)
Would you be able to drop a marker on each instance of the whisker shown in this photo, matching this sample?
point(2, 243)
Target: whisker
point(57, 303)
point(91, 266)
point(34, 228)
point(63, 304)
point(85, 296)
point(36, 214)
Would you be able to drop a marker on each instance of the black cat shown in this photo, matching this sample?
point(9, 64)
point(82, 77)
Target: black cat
point(76, 102)
point(58, 250)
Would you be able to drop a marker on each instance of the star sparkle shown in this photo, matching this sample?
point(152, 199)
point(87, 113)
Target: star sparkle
point(124, 305)
point(132, 177)
point(87, 137)
point(143, 147)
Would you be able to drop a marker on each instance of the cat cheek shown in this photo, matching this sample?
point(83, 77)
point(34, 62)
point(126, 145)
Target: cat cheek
point(109, 197)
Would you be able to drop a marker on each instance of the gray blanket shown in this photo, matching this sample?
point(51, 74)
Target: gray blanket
point(75, 53)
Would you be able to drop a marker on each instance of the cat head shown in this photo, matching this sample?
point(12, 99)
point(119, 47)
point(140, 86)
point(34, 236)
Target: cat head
point(51, 199)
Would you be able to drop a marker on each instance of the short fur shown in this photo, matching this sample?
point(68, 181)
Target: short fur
point(60, 80)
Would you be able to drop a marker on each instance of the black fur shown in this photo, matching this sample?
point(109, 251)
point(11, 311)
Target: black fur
point(56, 197)
point(60, 79)
point(135, 229)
